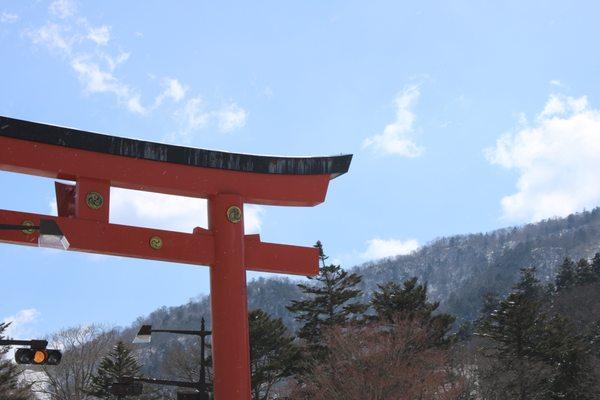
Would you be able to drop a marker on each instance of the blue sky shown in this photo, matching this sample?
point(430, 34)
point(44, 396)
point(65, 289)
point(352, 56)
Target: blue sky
point(462, 116)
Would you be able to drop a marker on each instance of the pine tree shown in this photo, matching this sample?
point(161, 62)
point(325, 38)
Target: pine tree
point(514, 331)
point(490, 303)
point(118, 363)
point(273, 354)
point(332, 299)
point(565, 277)
point(10, 387)
point(596, 267)
point(583, 272)
point(393, 303)
point(569, 354)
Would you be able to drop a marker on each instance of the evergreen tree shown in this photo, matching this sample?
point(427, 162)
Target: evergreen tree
point(10, 387)
point(566, 274)
point(393, 303)
point(273, 354)
point(569, 355)
point(331, 299)
point(118, 363)
point(514, 331)
point(490, 302)
point(583, 272)
point(596, 267)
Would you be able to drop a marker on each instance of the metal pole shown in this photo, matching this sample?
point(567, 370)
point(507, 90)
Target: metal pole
point(202, 359)
point(166, 382)
point(38, 344)
point(11, 227)
point(230, 342)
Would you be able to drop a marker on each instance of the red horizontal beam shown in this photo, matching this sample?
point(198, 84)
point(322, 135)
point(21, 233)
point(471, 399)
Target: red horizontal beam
point(130, 173)
point(280, 258)
point(188, 248)
point(117, 240)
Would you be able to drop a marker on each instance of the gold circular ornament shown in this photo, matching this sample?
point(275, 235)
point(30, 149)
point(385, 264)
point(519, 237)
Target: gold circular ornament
point(94, 200)
point(156, 242)
point(27, 231)
point(234, 214)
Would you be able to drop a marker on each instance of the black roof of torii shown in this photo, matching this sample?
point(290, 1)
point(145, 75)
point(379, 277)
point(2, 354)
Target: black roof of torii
point(90, 141)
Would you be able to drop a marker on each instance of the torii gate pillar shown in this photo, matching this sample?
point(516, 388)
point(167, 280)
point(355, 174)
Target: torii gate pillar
point(229, 301)
point(98, 162)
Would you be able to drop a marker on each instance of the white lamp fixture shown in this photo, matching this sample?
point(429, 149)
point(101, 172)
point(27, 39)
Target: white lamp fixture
point(144, 335)
point(51, 236)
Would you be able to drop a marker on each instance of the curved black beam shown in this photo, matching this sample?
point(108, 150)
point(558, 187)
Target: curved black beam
point(73, 138)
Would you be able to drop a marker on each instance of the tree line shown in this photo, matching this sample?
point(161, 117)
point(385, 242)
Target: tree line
point(536, 342)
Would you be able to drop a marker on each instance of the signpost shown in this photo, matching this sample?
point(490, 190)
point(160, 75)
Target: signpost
point(96, 162)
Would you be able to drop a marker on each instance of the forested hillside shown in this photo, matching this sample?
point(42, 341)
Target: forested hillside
point(460, 270)
point(468, 303)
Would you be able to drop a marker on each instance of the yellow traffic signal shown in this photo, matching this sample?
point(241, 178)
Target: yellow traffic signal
point(39, 356)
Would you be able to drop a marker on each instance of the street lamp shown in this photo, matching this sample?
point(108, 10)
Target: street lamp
point(144, 335)
point(50, 234)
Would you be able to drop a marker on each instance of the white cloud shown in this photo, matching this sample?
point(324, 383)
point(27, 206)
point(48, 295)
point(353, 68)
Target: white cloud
point(53, 36)
point(231, 117)
point(114, 62)
point(174, 90)
point(176, 213)
point(8, 18)
point(19, 321)
point(100, 35)
point(63, 8)
point(135, 106)
point(94, 77)
point(253, 215)
point(396, 138)
point(382, 248)
point(97, 80)
point(195, 115)
point(556, 157)
point(95, 70)
point(71, 35)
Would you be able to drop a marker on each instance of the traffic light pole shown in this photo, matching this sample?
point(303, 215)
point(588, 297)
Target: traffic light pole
point(132, 386)
point(166, 382)
point(36, 344)
point(201, 384)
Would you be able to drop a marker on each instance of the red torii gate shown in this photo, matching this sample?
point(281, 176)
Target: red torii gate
point(98, 162)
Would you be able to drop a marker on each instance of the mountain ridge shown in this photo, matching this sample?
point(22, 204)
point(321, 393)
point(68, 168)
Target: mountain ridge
point(458, 269)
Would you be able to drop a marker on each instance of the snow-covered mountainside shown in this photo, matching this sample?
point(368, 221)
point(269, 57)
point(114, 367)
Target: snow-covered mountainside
point(459, 271)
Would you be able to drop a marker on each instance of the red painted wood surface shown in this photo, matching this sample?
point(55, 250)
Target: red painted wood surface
point(230, 338)
point(186, 248)
point(224, 246)
point(155, 176)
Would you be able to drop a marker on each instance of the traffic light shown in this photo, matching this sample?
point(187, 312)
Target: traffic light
point(38, 356)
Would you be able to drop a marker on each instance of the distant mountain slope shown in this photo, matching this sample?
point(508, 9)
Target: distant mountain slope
point(459, 270)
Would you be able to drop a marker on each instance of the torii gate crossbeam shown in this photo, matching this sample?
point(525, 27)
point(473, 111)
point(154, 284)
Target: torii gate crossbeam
point(96, 162)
